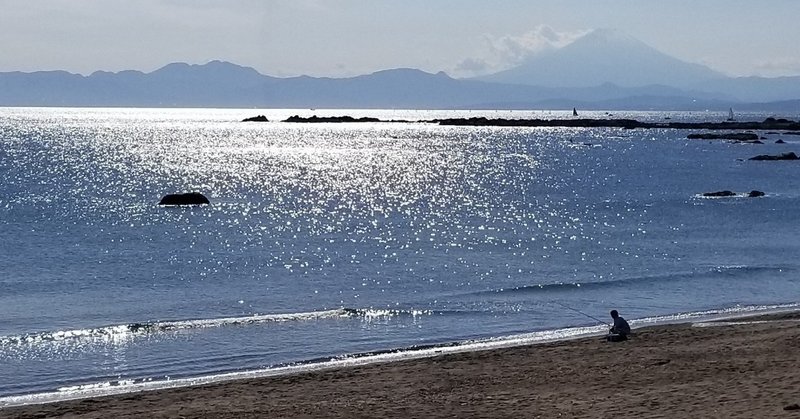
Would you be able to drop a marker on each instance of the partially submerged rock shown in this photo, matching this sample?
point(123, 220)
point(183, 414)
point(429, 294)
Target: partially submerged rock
point(784, 156)
point(720, 194)
point(767, 124)
point(329, 119)
point(736, 136)
point(724, 194)
point(259, 118)
point(191, 198)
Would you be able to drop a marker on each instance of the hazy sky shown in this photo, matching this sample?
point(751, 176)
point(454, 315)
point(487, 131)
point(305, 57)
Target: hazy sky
point(348, 37)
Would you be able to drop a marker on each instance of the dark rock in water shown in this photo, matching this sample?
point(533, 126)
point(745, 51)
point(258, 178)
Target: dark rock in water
point(192, 198)
point(785, 156)
point(329, 119)
point(737, 136)
point(719, 193)
point(723, 194)
point(780, 142)
point(772, 120)
point(259, 118)
point(768, 124)
point(792, 407)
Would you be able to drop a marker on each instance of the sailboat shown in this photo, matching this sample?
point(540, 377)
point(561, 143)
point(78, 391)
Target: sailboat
point(574, 112)
point(731, 118)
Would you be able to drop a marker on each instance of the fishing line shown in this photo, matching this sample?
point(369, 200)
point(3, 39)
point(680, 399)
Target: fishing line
point(580, 312)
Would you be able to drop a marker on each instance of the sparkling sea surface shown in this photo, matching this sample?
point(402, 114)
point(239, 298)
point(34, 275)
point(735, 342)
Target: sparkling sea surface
point(323, 241)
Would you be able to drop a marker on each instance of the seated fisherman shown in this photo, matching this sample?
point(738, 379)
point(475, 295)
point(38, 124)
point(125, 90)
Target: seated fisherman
point(620, 330)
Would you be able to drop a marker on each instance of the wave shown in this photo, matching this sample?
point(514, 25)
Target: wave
point(121, 332)
point(725, 313)
point(121, 386)
point(717, 271)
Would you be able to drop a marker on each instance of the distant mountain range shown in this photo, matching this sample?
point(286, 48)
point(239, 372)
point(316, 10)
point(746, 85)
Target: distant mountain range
point(605, 56)
point(602, 70)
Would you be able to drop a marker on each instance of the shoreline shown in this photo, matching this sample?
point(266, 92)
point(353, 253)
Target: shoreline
point(659, 368)
point(767, 124)
point(387, 355)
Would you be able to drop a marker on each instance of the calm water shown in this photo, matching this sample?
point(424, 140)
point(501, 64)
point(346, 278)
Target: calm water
point(333, 239)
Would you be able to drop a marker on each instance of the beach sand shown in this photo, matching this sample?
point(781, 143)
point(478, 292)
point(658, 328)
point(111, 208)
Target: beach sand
point(745, 370)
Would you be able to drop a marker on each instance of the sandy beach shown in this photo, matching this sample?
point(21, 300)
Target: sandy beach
point(748, 368)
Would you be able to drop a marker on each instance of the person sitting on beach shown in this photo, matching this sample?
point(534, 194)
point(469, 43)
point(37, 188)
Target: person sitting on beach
point(621, 328)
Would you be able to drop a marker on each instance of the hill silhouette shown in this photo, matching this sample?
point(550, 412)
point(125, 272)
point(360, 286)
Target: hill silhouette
point(224, 84)
point(605, 56)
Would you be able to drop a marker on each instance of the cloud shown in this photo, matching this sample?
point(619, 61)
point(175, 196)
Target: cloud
point(472, 66)
point(788, 66)
point(542, 38)
point(502, 52)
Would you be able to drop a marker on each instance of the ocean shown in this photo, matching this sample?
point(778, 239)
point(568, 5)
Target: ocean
point(333, 243)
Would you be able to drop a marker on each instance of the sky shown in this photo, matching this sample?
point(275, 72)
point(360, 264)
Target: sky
point(340, 38)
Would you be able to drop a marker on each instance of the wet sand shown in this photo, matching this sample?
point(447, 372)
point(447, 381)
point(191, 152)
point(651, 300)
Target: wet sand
point(748, 369)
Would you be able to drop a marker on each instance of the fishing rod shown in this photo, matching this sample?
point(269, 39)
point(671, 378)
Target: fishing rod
point(580, 312)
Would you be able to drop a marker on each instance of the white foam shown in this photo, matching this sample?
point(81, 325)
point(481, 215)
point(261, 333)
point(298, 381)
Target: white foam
point(128, 386)
point(123, 332)
point(120, 387)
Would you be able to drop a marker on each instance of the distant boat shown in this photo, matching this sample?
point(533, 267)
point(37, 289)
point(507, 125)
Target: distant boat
point(731, 118)
point(574, 112)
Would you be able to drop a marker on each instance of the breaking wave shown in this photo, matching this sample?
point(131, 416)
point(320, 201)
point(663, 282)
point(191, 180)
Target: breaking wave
point(120, 386)
point(124, 331)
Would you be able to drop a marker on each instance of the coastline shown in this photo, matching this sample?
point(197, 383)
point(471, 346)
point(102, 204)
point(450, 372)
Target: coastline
point(745, 367)
point(767, 124)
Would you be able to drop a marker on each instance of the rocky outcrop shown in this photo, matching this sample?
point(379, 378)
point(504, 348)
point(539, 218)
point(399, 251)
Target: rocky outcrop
point(334, 119)
point(767, 124)
point(726, 193)
point(259, 118)
point(736, 136)
point(191, 198)
point(784, 156)
point(573, 123)
point(719, 194)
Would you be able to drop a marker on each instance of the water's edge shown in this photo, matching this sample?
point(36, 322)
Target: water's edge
point(390, 355)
